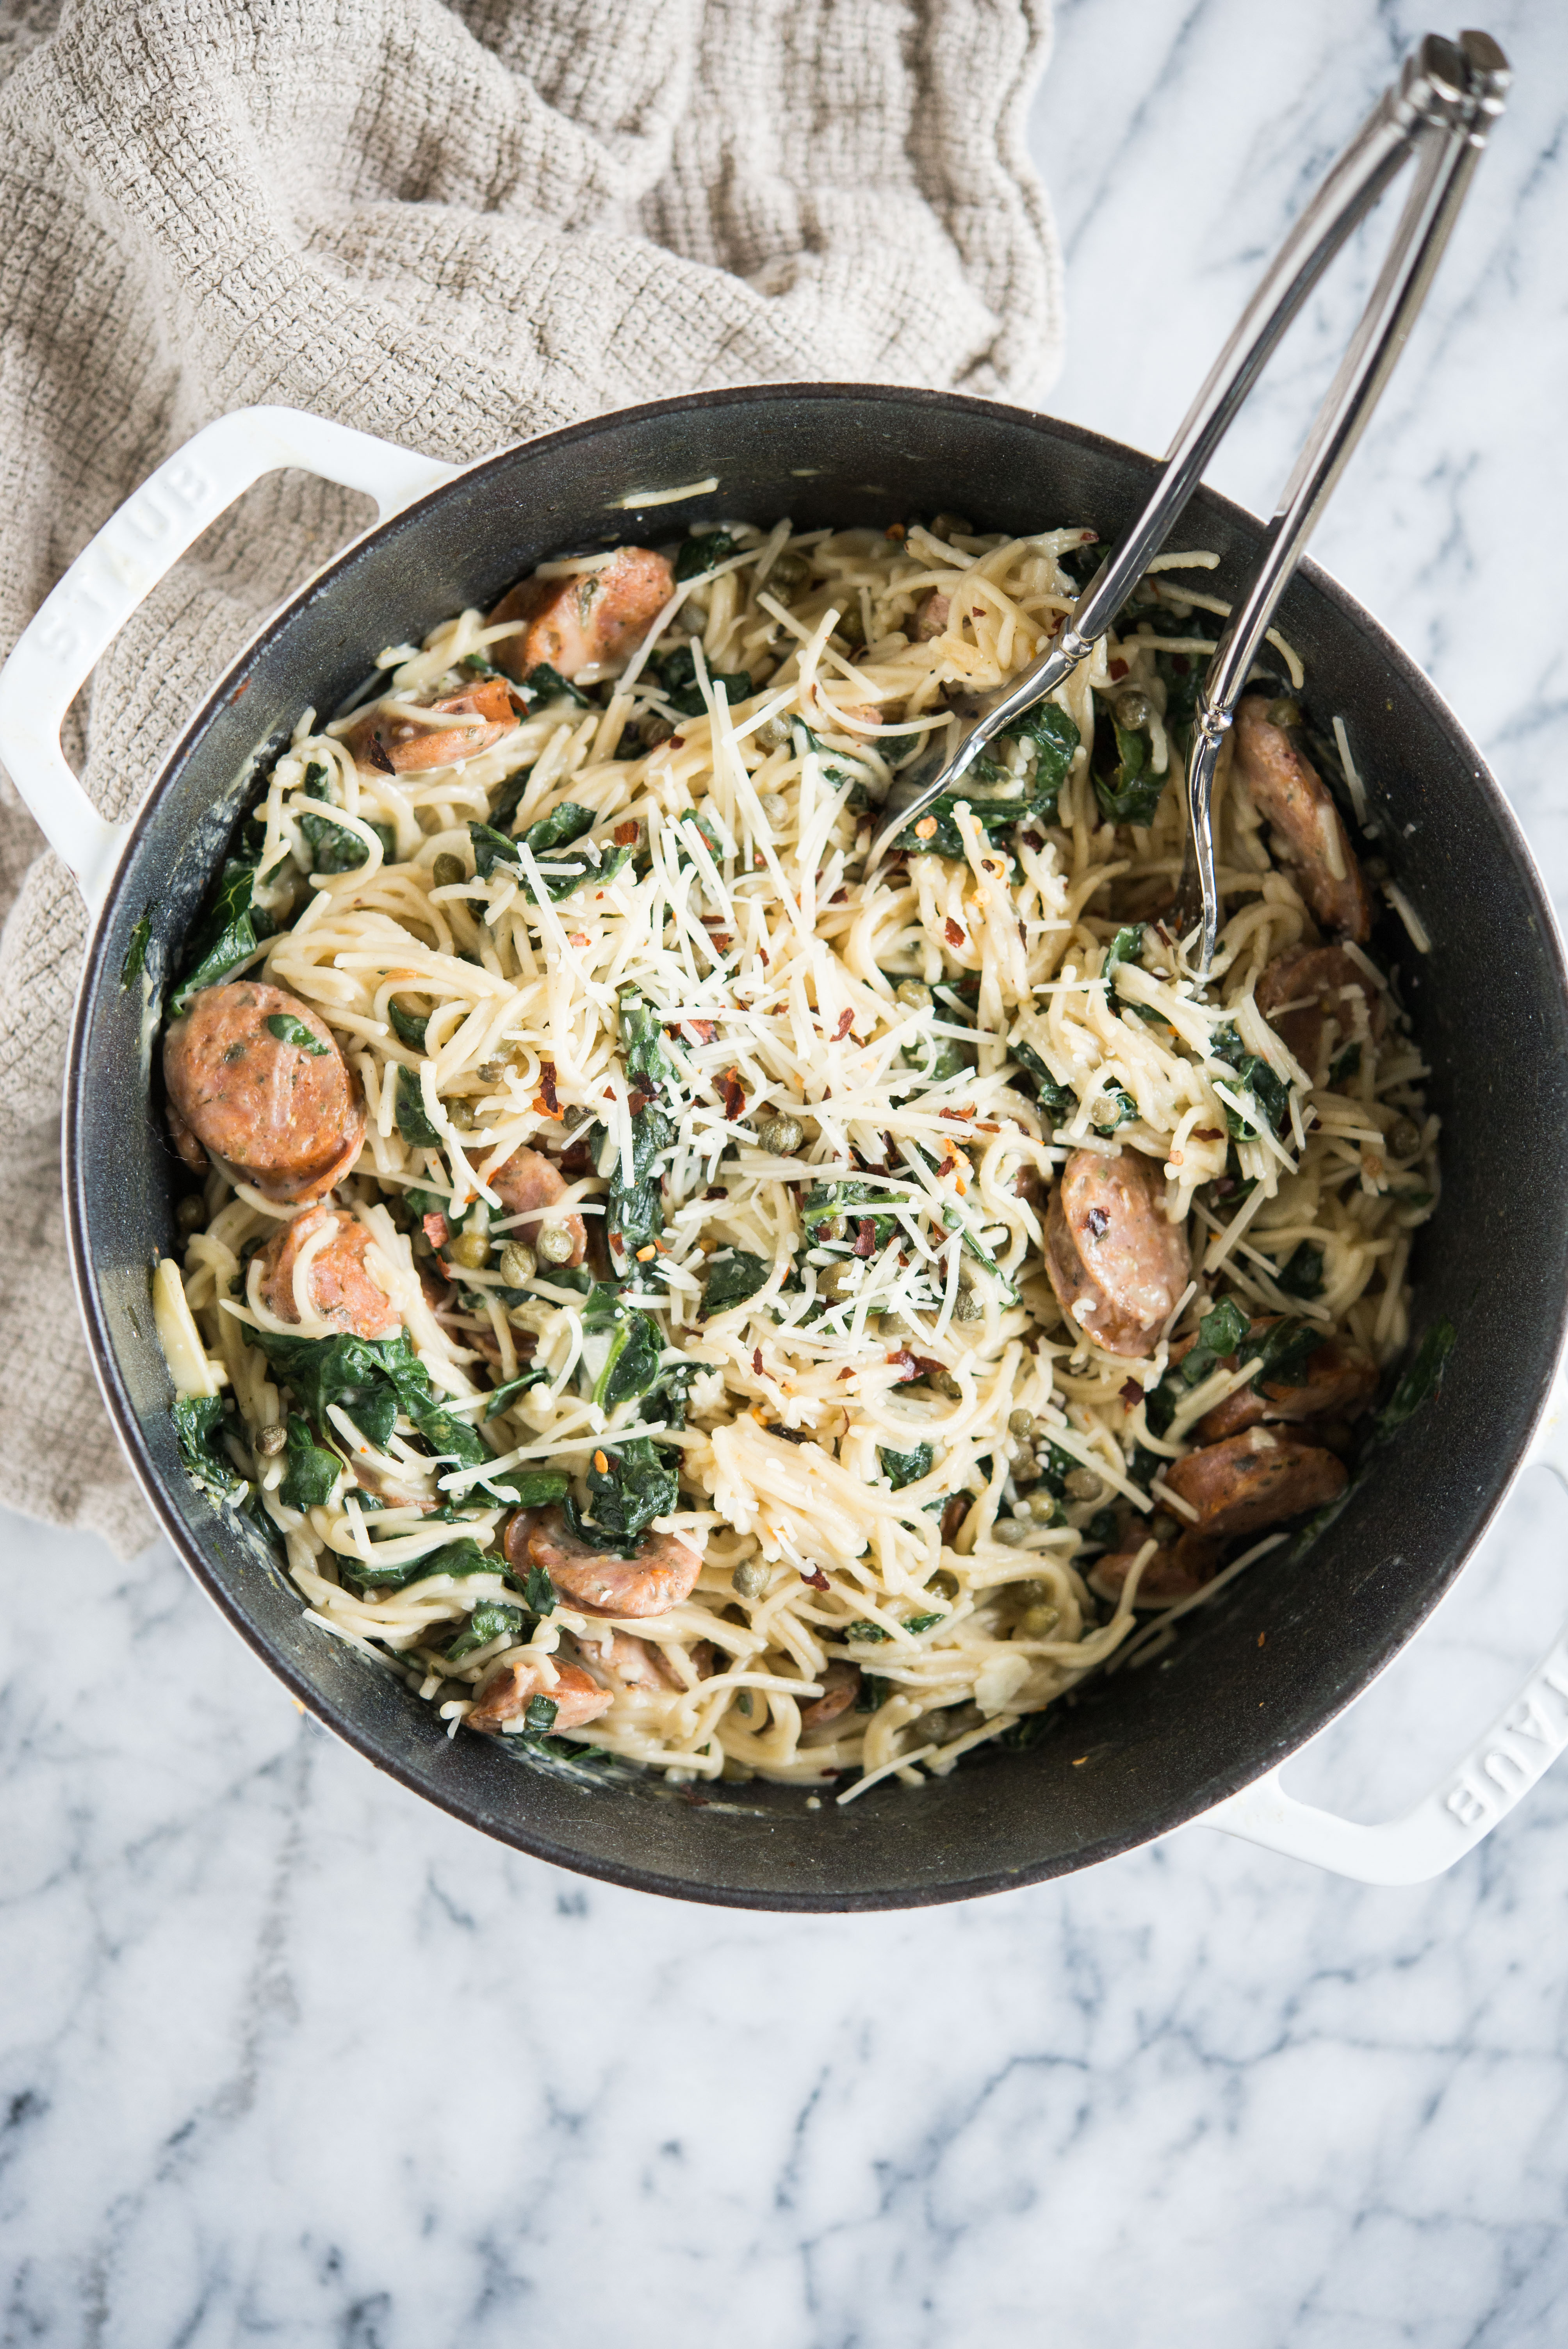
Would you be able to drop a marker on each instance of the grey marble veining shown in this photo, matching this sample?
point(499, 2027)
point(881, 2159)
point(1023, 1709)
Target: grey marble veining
point(286, 2055)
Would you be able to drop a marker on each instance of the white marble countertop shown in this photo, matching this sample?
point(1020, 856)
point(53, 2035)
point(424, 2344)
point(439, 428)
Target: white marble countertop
point(287, 2054)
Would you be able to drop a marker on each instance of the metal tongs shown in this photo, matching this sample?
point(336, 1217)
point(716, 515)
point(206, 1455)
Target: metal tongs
point(1441, 110)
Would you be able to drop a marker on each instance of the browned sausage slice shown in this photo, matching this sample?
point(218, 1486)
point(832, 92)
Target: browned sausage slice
point(485, 713)
point(342, 1288)
point(840, 1686)
point(662, 1573)
point(1289, 793)
point(1340, 1382)
point(288, 1117)
point(513, 1688)
point(1315, 981)
point(636, 1664)
point(1178, 1570)
point(597, 617)
point(931, 615)
point(529, 1181)
point(1254, 1480)
point(1110, 1251)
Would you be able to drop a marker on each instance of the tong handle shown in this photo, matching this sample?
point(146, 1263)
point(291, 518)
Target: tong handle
point(1456, 92)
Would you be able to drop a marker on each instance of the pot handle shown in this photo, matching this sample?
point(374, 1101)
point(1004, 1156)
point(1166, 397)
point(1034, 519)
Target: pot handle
point(1501, 1767)
point(119, 568)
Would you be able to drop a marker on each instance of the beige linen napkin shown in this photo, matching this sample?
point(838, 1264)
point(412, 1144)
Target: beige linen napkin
point(452, 225)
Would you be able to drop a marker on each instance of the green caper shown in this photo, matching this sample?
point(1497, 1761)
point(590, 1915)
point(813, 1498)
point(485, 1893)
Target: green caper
point(851, 628)
point(1133, 710)
point(1043, 1506)
point(788, 575)
point(518, 1264)
point(1162, 1526)
point(655, 729)
point(951, 525)
point(830, 1228)
point(1082, 1485)
point(967, 1306)
point(943, 1383)
point(1404, 1138)
point(1021, 1423)
point(554, 1245)
point(446, 870)
point(774, 807)
point(773, 733)
point(1010, 1532)
point(750, 1577)
point(782, 1135)
point(461, 1113)
point(1284, 713)
point(1038, 1622)
point(944, 1585)
point(191, 1213)
point(470, 1249)
point(913, 993)
point(271, 1441)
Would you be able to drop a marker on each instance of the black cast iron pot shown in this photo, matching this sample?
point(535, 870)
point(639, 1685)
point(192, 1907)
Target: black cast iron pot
point(1132, 1756)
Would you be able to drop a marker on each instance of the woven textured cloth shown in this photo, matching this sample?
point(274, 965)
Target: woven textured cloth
point(453, 226)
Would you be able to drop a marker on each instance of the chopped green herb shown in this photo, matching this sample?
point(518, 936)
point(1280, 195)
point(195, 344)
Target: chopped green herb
point(135, 961)
point(409, 1027)
point(915, 1624)
point(864, 1632)
point(289, 1030)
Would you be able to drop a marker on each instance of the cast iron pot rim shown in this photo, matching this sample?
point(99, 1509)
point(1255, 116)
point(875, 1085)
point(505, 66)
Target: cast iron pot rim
point(1169, 1815)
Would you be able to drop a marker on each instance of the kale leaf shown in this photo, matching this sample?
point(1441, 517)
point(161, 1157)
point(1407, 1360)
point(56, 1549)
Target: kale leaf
point(635, 1486)
point(371, 1379)
point(458, 1558)
point(334, 849)
point(731, 1279)
point(197, 1420)
point(634, 1212)
point(826, 1201)
point(1420, 1382)
point(1301, 1273)
point(230, 929)
point(136, 953)
point(1127, 791)
point(543, 685)
point(491, 1619)
point(311, 1472)
point(1126, 947)
point(413, 1123)
point(499, 1397)
point(702, 554)
point(649, 1065)
point(678, 679)
point(1270, 1092)
point(1284, 1350)
point(1223, 1327)
point(901, 1468)
point(1054, 738)
point(1060, 1100)
point(544, 840)
point(632, 1366)
point(408, 1027)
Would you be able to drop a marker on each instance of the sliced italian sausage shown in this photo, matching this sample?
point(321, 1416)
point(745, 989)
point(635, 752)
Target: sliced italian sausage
point(596, 618)
point(637, 1664)
point(341, 1287)
point(511, 1690)
point(1289, 793)
point(287, 1114)
point(1179, 1569)
point(1254, 1480)
point(840, 1686)
point(1340, 1382)
point(660, 1574)
point(482, 715)
point(1117, 1264)
point(931, 615)
point(1308, 996)
point(529, 1185)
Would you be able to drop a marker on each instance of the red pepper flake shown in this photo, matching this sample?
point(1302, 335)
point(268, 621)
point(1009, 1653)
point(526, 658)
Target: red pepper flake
point(717, 1191)
point(1098, 1223)
point(1119, 668)
point(625, 833)
point(846, 1021)
point(636, 1100)
point(722, 941)
point(926, 1367)
point(438, 1231)
point(895, 530)
point(734, 1097)
point(846, 1375)
point(544, 1099)
point(675, 742)
point(1205, 1133)
point(840, 897)
point(1033, 840)
point(927, 828)
point(817, 1578)
point(904, 1363)
point(960, 1114)
point(376, 754)
point(953, 933)
point(866, 1236)
point(1131, 1393)
point(697, 1031)
point(757, 1360)
point(600, 1464)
